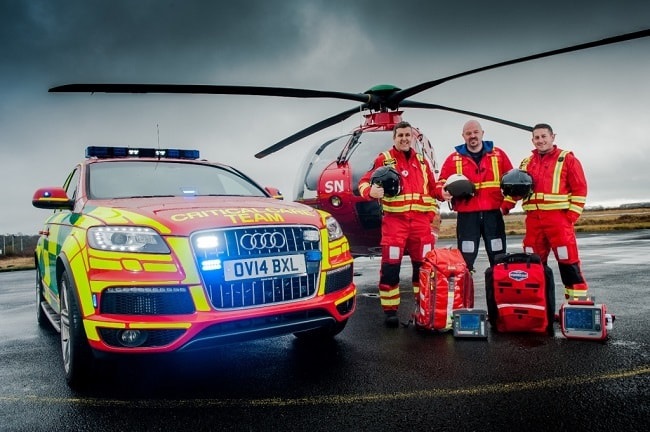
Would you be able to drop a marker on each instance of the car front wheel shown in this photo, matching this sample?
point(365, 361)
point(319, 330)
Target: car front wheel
point(77, 356)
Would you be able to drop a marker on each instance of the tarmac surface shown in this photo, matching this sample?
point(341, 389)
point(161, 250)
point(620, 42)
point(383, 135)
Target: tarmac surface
point(369, 378)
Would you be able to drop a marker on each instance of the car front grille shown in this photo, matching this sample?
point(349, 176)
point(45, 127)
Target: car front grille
point(256, 243)
point(146, 300)
point(339, 278)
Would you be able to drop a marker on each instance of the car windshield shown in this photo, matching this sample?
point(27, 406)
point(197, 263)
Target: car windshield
point(130, 179)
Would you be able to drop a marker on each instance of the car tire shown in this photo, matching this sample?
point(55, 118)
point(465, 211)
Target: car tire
point(41, 317)
point(323, 332)
point(77, 356)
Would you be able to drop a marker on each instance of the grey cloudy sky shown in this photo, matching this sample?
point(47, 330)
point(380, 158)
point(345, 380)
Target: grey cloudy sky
point(595, 99)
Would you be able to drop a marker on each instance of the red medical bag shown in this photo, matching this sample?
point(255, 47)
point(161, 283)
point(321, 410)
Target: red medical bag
point(520, 294)
point(445, 284)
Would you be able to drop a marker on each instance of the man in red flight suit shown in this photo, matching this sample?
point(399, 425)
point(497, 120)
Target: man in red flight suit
point(407, 216)
point(478, 216)
point(555, 204)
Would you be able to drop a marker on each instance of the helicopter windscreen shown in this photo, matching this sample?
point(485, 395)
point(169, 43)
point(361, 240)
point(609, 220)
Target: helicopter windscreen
point(370, 144)
point(318, 161)
point(364, 153)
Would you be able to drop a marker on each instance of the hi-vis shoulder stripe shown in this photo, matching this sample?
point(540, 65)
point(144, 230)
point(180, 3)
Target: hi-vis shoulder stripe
point(557, 173)
point(388, 160)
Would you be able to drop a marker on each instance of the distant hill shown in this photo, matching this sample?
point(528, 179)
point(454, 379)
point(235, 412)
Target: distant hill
point(629, 217)
point(446, 213)
point(621, 206)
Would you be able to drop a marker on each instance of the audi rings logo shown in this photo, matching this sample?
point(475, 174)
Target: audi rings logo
point(268, 240)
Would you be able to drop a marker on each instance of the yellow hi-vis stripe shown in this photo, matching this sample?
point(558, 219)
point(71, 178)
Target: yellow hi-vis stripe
point(575, 293)
point(389, 297)
point(495, 168)
point(496, 180)
point(557, 173)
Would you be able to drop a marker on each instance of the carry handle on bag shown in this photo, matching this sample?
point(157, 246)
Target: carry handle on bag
point(517, 257)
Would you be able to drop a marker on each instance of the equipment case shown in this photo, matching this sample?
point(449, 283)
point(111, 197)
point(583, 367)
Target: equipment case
point(520, 294)
point(585, 320)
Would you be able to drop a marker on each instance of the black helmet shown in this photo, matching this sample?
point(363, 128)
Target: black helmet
point(516, 183)
point(459, 186)
point(387, 178)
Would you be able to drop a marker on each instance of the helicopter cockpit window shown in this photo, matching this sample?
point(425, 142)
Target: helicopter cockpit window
point(362, 156)
point(319, 160)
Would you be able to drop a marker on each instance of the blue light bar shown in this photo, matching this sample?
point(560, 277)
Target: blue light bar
point(121, 152)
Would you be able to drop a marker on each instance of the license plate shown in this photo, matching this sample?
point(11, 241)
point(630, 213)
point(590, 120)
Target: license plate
point(253, 268)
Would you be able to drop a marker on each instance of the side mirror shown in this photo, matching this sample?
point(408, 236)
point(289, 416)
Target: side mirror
point(274, 192)
point(52, 198)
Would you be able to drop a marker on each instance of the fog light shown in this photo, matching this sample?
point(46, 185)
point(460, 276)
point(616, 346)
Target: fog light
point(132, 338)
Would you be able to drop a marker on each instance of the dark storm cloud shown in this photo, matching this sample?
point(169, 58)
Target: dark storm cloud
point(167, 38)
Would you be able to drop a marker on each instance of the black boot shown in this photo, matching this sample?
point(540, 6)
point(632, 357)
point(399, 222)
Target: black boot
point(391, 319)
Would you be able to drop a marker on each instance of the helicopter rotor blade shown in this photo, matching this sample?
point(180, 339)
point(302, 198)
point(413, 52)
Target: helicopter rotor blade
point(377, 98)
point(414, 104)
point(399, 96)
point(310, 130)
point(208, 89)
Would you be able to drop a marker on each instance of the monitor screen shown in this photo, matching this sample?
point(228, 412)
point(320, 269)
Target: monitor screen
point(469, 321)
point(579, 318)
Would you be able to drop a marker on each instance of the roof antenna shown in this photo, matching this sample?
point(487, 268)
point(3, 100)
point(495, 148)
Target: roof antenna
point(158, 133)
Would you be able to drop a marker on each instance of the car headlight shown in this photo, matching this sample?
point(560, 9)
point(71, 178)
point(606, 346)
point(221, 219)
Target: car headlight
point(334, 231)
point(126, 239)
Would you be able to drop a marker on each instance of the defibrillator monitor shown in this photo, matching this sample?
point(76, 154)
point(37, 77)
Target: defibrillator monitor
point(585, 321)
point(469, 323)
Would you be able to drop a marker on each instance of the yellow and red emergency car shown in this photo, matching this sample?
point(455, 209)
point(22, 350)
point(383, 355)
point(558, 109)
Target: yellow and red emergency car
point(155, 251)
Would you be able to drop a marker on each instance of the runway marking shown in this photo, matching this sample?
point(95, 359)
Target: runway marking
point(341, 399)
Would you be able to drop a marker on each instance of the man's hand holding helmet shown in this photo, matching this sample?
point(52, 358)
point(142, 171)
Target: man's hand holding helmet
point(458, 186)
point(446, 195)
point(376, 191)
point(385, 181)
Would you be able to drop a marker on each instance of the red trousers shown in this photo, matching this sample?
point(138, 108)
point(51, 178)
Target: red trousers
point(548, 230)
point(409, 232)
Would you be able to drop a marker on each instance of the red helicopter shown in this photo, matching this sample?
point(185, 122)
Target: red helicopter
point(329, 179)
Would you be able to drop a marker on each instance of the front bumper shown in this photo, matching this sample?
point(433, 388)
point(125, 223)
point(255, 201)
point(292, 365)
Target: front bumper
point(207, 329)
